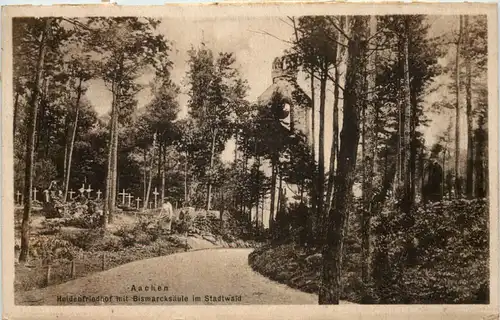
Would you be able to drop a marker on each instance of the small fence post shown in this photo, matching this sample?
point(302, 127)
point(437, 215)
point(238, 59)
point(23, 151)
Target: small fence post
point(73, 269)
point(103, 266)
point(47, 275)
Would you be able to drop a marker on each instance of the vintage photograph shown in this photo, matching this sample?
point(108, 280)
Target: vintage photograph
point(251, 160)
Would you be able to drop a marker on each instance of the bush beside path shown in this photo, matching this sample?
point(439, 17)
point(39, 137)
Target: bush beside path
point(450, 258)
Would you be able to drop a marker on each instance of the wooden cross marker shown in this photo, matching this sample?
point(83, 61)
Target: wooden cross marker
point(130, 197)
point(34, 193)
point(123, 194)
point(82, 189)
point(18, 197)
point(89, 190)
point(99, 194)
point(156, 193)
point(151, 205)
point(71, 194)
point(138, 200)
point(46, 193)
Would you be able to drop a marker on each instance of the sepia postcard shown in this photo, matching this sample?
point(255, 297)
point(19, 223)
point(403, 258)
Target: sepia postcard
point(250, 161)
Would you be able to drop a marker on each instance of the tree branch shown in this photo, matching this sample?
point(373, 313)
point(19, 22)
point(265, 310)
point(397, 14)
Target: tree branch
point(270, 35)
point(337, 27)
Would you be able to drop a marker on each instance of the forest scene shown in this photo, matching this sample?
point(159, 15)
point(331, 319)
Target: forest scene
point(343, 156)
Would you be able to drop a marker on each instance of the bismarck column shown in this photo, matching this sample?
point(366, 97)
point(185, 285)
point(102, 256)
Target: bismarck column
point(296, 101)
point(296, 105)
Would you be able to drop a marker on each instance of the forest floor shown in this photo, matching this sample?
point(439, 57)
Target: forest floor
point(450, 262)
point(92, 250)
point(296, 267)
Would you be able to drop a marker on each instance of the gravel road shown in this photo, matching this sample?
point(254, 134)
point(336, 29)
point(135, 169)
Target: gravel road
point(212, 275)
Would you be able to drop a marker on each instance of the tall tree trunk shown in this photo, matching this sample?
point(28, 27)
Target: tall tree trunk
point(335, 134)
point(280, 194)
point(313, 114)
point(236, 147)
point(114, 181)
point(457, 110)
point(444, 180)
point(262, 203)
point(422, 176)
point(257, 214)
point(109, 173)
point(16, 113)
point(30, 152)
point(406, 170)
point(398, 185)
point(150, 178)
point(145, 174)
point(330, 288)
point(42, 127)
point(72, 143)
point(413, 145)
point(160, 159)
point(469, 187)
point(273, 193)
point(314, 187)
point(186, 180)
point(222, 208)
point(66, 146)
point(369, 145)
point(317, 221)
point(212, 157)
point(481, 158)
point(163, 161)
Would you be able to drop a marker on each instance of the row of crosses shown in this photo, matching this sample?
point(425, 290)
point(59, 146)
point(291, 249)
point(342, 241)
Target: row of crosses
point(46, 192)
point(88, 191)
point(138, 200)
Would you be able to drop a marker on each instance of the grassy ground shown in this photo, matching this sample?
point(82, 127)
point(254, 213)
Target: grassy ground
point(85, 248)
point(34, 276)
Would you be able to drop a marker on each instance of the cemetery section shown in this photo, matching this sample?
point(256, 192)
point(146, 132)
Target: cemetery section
point(66, 242)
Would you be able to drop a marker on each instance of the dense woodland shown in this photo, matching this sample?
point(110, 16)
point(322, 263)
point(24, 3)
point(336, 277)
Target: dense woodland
point(380, 70)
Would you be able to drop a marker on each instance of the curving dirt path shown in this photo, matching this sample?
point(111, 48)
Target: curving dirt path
point(215, 272)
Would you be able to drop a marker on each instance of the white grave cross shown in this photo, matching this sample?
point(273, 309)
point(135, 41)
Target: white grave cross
point(99, 194)
point(123, 194)
point(71, 194)
point(89, 190)
point(130, 197)
point(18, 196)
point(34, 193)
point(156, 193)
point(138, 200)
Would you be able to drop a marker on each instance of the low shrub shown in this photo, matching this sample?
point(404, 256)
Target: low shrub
point(436, 254)
point(49, 248)
point(145, 231)
point(183, 224)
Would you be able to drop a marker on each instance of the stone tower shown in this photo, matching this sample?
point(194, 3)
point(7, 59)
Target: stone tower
point(284, 76)
point(297, 110)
